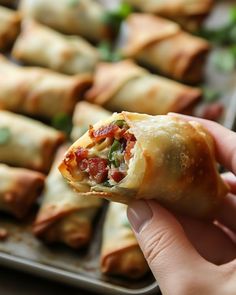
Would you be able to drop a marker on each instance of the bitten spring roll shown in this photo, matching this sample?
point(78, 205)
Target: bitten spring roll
point(19, 189)
point(66, 54)
point(27, 143)
point(120, 253)
point(124, 86)
point(64, 215)
point(9, 27)
point(163, 46)
point(86, 114)
point(75, 17)
point(136, 156)
point(188, 13)
point(39, 92)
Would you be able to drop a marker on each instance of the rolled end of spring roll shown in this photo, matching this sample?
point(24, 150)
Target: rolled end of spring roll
point(126, 86)
point(27, 143)
point(163, 46)
point(189, 14)
point(136, 156)
point(85, 114)
point(75, 17)
point(67, 54)
point(64, 215)
point(120, 253)
point(39, 92)
point(9, 27)
point(19, 189)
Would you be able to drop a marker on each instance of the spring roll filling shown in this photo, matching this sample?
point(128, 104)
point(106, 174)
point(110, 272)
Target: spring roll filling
point(106, 160)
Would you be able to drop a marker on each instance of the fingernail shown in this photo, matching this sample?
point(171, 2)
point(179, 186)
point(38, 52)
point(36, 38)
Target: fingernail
point(139, 214)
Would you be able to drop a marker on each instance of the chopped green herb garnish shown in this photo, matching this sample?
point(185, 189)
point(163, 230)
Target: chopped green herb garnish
point(62, 122)
point(224, 60)
point(210, 95)
point(115, 18)
point(119, 123)
point(107, 53)
point(5, 135)
point(113, 152)
point(73, 3)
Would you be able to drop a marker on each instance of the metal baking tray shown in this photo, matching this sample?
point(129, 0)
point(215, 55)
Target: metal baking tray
point(22, 251)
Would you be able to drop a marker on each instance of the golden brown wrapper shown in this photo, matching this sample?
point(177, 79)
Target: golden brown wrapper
point(27, 143)
point(173, 162)
point(126, 86)
point(66, 54)
point(39, 92)
point(77, 17)
point(120, 252)
point(86, 114)
point(162, 45)
point(189, 14)
point(9, 27)
point(19, 189)
point(64, 215)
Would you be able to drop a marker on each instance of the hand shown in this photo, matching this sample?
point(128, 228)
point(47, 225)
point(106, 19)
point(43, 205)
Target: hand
point(187, 256)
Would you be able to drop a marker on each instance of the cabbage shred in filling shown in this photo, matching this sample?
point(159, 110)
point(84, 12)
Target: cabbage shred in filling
point(105, 161)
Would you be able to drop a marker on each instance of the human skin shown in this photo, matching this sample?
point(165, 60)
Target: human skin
point(187, 256)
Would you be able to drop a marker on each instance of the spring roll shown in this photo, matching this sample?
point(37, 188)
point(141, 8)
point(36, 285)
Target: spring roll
point(78, 17)
point(136, 156)
point(9, 27)
point(163, 46)
point(27, 143)
point(125, 86)
point(19, 189)
point(39, 92)
point(67, 54)
point(64, 215)
point(120, 253)
point(86, 114)
point(187, 13)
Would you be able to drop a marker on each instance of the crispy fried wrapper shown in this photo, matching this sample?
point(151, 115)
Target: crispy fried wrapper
point(27, 143)
point(163, 46)
point(39, 92)
point(189, 14)
point(66, 54)
point(126, 86)
point(64, 215)
point(77, 17)
point(172, 161)
point(9, 27)
point(86, 114)
point(120, 253)
point(19, 189)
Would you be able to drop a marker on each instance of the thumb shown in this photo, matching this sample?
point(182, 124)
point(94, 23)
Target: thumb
point(169, 253)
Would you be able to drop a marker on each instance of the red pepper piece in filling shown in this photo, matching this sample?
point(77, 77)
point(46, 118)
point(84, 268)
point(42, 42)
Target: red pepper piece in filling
point(82, 158)
point(117, 176)
point(98, 169)
point(104, 132)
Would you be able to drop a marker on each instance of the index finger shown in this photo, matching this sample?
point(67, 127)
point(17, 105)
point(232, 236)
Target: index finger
point(225, 141)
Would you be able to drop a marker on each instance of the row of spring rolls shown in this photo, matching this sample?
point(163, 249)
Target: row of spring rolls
point(153, 41)
point(117, 86)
